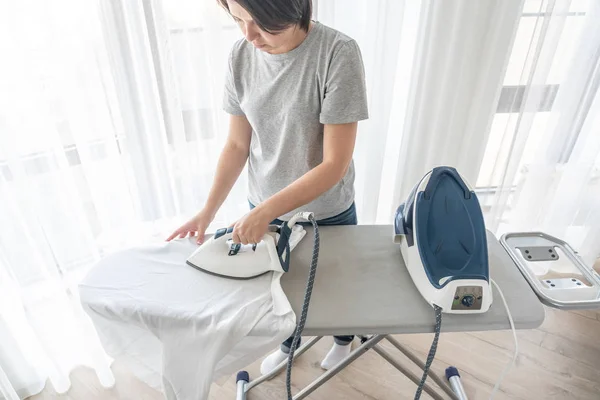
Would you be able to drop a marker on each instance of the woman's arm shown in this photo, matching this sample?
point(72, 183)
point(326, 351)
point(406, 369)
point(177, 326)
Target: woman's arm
point(338, 147)
point(231, 163)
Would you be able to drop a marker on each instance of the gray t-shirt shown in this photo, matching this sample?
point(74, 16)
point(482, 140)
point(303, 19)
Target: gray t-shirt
point(287, 98)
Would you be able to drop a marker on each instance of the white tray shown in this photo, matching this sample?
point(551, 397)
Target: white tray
point(554, 270)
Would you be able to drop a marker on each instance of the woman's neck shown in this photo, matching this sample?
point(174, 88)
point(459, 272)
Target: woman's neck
point(299, 35)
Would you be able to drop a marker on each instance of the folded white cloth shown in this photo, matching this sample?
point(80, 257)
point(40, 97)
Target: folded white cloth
point(178, 328)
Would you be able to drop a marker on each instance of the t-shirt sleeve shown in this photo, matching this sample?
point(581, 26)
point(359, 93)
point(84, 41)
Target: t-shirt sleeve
point(345, 98)
point(231, 102)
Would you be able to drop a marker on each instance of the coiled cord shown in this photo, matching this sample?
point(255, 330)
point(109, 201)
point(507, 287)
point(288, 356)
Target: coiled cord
point(432, 350)
point(304, 313)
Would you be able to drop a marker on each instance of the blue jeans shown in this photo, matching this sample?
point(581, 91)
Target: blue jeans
point(347, 217)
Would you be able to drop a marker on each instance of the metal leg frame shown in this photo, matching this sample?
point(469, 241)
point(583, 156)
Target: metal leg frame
point(367, 343)
point(436, 378)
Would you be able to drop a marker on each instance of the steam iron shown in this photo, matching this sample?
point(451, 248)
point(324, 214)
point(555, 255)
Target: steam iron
point(221, 257)
point(442, 237)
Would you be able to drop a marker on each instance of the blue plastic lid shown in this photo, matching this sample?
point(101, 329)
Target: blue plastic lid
point(451, 371)
point(450, 230)
point(243, 376)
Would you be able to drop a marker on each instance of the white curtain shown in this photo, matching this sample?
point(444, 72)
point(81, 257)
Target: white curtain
point(507, 92)
point(542, 162)
point(63, 182)
point(111, 126)
point(110, 130)
point(462, 50)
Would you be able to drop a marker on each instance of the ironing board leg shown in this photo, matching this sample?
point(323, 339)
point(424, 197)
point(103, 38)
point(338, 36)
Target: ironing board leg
point(367, 344)
point(241, 390)
point(310, 343)
point(359, 351)
point(436, 378)
point(406, 372)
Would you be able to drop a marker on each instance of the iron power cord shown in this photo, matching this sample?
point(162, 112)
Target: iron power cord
point(432, 350)
point(303, 314)
point(513, 360)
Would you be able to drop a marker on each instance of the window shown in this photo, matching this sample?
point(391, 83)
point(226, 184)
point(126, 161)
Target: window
point(539, 93)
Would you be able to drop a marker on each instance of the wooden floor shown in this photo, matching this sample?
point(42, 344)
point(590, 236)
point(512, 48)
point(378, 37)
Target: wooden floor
point(560, 360)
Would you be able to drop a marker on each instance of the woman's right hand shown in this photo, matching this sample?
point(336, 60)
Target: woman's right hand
point(194, 227)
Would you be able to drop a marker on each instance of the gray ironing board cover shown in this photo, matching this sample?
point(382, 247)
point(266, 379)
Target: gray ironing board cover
point(362, 287)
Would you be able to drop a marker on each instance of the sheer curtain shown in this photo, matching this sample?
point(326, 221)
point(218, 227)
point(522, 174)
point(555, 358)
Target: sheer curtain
point(111, 126)
point(541, 168)
point(462, 51)
point(110, 130)
point(63, 181)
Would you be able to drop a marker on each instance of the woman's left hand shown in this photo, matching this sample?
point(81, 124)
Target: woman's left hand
point(251, 228)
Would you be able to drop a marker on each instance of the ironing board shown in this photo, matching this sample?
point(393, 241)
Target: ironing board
point(363, 288)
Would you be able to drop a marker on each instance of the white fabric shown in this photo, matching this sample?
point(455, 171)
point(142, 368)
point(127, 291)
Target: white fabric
point(179, 328)
point(462, 51)
point(534, 167)
point(545, 163)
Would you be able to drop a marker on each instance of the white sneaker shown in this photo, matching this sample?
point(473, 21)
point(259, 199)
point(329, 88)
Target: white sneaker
point(337, 353)
point(272, 361)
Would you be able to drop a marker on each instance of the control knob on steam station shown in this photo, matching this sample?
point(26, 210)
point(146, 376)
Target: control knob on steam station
point(468, 300)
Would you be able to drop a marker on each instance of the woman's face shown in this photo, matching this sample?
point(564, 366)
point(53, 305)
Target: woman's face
point(262, 40)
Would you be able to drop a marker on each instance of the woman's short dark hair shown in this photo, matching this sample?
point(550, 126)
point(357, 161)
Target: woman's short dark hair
point(276, 15)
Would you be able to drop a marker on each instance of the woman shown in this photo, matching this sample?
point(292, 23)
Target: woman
point(295, 91)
